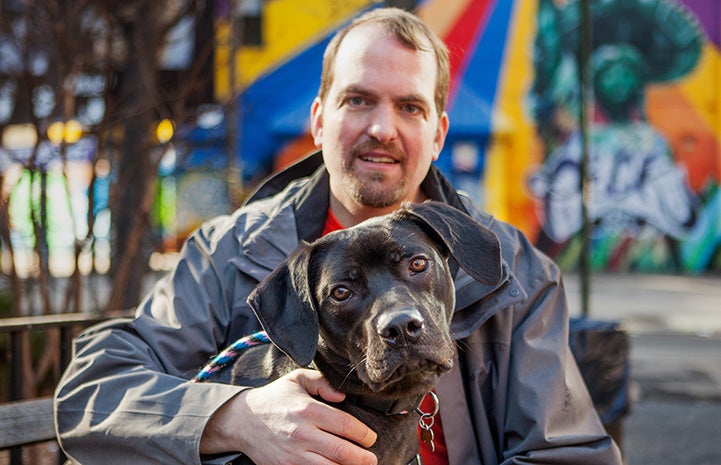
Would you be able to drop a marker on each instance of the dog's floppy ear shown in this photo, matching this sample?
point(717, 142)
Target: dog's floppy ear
point(284, 305)
point(475, 248)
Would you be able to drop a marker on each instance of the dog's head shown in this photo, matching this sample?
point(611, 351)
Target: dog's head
point(373, 303)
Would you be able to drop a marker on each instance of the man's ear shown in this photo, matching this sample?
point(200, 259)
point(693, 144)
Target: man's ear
point(441, 132)
point(316, 122)
point(284, 305)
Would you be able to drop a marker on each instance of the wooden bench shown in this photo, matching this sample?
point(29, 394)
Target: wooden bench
point(26, 422)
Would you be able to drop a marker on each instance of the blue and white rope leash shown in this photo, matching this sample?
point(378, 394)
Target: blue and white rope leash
point(229, 355)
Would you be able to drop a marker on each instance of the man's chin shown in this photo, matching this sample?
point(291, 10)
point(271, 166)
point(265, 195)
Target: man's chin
point(376, 198)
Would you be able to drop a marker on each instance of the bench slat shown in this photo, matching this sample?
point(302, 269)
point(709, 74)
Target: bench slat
point(58, 320)
point(26, 421)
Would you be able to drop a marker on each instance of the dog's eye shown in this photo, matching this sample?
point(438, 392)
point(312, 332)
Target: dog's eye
point(340, 293)
point(418, 264)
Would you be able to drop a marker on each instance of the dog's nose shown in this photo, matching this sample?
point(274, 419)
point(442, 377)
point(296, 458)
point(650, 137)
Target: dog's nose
point(398, 327)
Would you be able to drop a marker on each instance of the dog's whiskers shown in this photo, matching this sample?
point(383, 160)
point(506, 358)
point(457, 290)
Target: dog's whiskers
point(461, 345)
point(353, 368)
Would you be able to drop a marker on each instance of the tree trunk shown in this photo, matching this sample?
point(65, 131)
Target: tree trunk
point(136, 169)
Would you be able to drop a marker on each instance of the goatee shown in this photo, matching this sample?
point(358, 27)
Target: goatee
point(374, 190)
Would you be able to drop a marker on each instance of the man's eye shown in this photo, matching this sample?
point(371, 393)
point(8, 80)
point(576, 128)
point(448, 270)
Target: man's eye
point(356, 101)
point(340, 293)
point(418, 264)
point(411, 109)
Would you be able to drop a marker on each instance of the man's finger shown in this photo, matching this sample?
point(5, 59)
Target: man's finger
point(316, 385)
point(335, 421)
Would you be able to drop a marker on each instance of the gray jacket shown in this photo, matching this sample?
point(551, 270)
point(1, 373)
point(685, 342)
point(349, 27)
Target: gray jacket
point(516, 397)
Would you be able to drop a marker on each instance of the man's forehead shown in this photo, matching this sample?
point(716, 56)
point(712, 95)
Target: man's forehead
point(363, 39)
point(368, 47)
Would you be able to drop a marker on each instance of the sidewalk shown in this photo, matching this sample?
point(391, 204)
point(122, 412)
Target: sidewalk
point(652, 303)
point(675, 329)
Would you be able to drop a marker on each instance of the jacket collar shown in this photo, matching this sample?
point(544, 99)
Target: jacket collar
point(311, 205)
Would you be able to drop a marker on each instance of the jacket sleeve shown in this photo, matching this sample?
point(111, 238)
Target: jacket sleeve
point(550, 417)
point(125, 397)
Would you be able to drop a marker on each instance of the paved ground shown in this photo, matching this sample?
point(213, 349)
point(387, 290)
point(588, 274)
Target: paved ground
point(675, 330)
point(653, 303)
point(677, 431)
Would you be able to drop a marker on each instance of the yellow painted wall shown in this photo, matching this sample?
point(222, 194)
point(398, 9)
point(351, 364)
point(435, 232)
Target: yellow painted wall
point(288, 26)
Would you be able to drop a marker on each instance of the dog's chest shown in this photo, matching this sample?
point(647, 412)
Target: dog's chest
point(397, 442)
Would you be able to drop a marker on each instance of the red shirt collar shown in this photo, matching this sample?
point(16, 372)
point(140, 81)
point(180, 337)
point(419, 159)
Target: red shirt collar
point(331, 223)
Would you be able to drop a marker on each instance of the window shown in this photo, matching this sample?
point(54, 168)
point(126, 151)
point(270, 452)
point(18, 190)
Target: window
point(248, 22)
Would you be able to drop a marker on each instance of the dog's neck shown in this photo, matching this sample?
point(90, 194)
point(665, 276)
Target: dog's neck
point(387, 407)
point(397, 442)
point(395, 421)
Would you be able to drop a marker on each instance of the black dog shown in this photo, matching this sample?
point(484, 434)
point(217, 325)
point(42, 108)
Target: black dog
point(370, 307)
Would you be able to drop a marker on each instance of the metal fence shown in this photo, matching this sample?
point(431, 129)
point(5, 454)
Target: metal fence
point(28, 421)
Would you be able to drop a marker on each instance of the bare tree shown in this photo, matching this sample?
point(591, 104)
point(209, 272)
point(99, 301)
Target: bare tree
point(64, 57)
point(144, 25)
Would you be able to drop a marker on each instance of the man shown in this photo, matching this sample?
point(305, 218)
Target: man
point(516, 395)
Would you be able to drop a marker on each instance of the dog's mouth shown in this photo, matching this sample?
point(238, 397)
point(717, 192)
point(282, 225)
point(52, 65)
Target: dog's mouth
point(403, 375)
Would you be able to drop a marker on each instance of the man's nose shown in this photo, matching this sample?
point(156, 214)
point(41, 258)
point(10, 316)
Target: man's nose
point(383, 123)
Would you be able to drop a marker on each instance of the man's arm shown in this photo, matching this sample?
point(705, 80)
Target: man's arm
point(114, 404)
point(150, 417)
point(125, 397)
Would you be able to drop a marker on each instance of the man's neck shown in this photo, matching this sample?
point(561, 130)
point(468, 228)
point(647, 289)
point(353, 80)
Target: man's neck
point(349, 218)
point(358, 213)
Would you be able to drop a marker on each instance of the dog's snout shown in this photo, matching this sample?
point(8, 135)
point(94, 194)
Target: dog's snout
point(399, 327)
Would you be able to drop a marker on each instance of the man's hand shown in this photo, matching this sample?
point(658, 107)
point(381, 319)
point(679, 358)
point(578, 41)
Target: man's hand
point(281, 424)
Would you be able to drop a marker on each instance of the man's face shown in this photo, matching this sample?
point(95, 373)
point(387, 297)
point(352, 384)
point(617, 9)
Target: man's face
point(378, 126)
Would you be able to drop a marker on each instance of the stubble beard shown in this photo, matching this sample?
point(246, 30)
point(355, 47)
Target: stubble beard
point(373, 191)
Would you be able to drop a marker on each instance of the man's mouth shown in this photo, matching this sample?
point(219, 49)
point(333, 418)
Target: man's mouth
point(378, 159)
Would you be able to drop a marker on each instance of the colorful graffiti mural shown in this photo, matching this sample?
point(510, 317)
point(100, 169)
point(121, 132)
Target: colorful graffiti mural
point(645, 213)
point(514, 138)
point(655, 158)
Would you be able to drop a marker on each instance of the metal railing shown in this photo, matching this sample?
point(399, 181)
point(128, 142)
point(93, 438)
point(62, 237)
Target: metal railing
point(28, 421)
